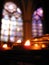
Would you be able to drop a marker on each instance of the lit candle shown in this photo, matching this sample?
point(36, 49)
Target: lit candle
point(36, 47)
point(43, 46)
point(5, 47)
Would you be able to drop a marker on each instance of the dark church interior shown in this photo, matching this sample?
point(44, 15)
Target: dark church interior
point(31, 49)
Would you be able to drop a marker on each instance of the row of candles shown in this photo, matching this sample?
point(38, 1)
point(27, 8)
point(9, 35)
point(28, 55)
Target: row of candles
point(28, 45)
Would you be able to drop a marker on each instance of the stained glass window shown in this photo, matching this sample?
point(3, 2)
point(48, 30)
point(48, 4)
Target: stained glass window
point(37, 27)
point(12, 23)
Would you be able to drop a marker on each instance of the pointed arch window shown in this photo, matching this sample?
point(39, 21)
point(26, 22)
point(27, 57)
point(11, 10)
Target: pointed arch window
point(12, 23)
point(37, 26)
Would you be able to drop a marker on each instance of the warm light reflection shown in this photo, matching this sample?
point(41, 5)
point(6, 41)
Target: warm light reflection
point(5, 47)
point(19, 41)
point(43, 45)
point(36, 47)
point(35, 39)
point(27, 43)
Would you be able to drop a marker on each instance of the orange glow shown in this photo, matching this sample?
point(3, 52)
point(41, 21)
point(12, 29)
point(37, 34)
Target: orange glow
point(5, 46)
point(19, 41)
point(43, 45)
point(36, 47)
point(35, 39)
point(27, 43)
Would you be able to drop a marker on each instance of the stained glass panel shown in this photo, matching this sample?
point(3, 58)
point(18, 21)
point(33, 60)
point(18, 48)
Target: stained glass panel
point(37, 26)
point(12, 23)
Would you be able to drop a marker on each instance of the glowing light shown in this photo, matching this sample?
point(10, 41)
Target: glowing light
point(3, 21)
point(43, 45)
point(19, 11)
point(12, 39)
point(37, 28)
point(12, 25)
point(18, 41)
point(27, 43)
point(36, 47)
point(5, 27)
point(6, 32)
point(4, 46)
point(10, 6)
point(40, 11)
point(18, 29)
point(35, 39)
point(40, 24)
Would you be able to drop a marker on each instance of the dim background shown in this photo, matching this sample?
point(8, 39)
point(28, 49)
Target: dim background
point(6, 59)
